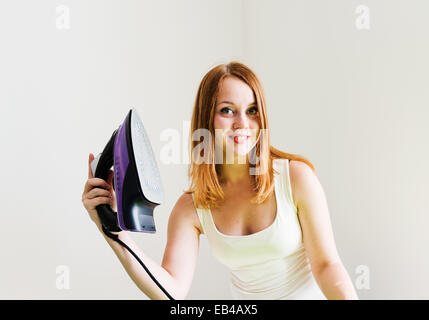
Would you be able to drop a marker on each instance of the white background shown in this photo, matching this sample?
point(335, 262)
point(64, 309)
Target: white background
point(354, 102)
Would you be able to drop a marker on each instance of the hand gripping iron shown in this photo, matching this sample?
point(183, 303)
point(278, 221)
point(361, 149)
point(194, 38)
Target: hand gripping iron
point(136, 182)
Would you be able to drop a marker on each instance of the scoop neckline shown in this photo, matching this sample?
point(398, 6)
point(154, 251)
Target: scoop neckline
point(255, 233)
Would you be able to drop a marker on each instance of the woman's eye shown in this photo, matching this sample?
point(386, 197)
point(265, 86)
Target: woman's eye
point(223, 109)
point(252, 111)
point(255, 110)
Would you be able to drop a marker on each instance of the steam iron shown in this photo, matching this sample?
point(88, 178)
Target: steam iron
point(137, 182)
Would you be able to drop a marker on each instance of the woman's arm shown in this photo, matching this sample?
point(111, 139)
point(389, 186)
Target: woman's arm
point(180, 256)
point(318, 237)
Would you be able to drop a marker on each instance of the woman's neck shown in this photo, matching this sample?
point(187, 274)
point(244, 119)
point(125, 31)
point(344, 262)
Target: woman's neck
point(235, 174)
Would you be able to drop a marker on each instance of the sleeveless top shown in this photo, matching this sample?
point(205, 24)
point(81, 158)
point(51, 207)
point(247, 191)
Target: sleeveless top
point(270, 264)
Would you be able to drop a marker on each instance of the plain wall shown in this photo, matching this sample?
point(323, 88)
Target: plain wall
point(354, 102)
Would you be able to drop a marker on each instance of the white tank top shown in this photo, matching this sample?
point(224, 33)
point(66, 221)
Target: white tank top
point(270, 264)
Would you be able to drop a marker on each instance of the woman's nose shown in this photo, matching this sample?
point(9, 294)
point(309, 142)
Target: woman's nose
point(241, 120)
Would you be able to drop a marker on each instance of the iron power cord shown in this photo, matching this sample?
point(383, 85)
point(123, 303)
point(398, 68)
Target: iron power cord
point(116, 238)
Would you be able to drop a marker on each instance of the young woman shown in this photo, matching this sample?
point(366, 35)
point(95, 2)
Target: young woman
point(264, 211)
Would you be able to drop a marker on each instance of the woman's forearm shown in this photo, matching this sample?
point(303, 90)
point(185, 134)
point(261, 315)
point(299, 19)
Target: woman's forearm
point(335, 283)
point(136, 272)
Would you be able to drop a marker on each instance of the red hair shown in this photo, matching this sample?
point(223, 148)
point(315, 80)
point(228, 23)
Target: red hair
point(204, 176)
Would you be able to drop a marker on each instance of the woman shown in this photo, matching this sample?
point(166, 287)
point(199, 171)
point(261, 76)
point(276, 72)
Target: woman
point(263, 211)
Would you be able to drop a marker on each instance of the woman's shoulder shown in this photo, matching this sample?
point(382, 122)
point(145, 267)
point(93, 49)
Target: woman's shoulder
point(185, 200)
point(302, 177)
point(297, 168)
point(185, 210)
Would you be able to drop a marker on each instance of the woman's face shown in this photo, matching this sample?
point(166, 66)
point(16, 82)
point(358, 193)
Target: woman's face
point(236, 119)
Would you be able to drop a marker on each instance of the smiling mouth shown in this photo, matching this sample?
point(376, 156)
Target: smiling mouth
point(240, 139)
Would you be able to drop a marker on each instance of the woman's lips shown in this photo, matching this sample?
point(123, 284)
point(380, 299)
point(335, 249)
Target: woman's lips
point(239, 139)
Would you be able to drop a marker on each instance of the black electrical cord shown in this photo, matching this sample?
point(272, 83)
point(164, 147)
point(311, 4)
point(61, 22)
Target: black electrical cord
point(116, 238)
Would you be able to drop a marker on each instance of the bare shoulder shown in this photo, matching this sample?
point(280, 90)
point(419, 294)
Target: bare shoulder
point(302, 179)
point(184, 210)
point(299, 168)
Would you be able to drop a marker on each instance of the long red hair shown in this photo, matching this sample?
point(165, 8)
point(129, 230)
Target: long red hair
point(204, 176)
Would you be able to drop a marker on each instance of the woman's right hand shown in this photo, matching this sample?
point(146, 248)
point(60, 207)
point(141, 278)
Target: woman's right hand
point(97, 191)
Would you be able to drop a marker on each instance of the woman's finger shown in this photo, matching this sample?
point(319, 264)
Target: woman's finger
point(95, 182)
point(97, 192)
point(91, 158)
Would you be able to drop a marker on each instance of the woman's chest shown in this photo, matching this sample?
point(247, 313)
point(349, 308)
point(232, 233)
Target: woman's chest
point(238, 216)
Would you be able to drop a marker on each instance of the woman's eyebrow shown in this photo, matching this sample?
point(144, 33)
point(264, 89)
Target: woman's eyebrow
point(229, 102)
